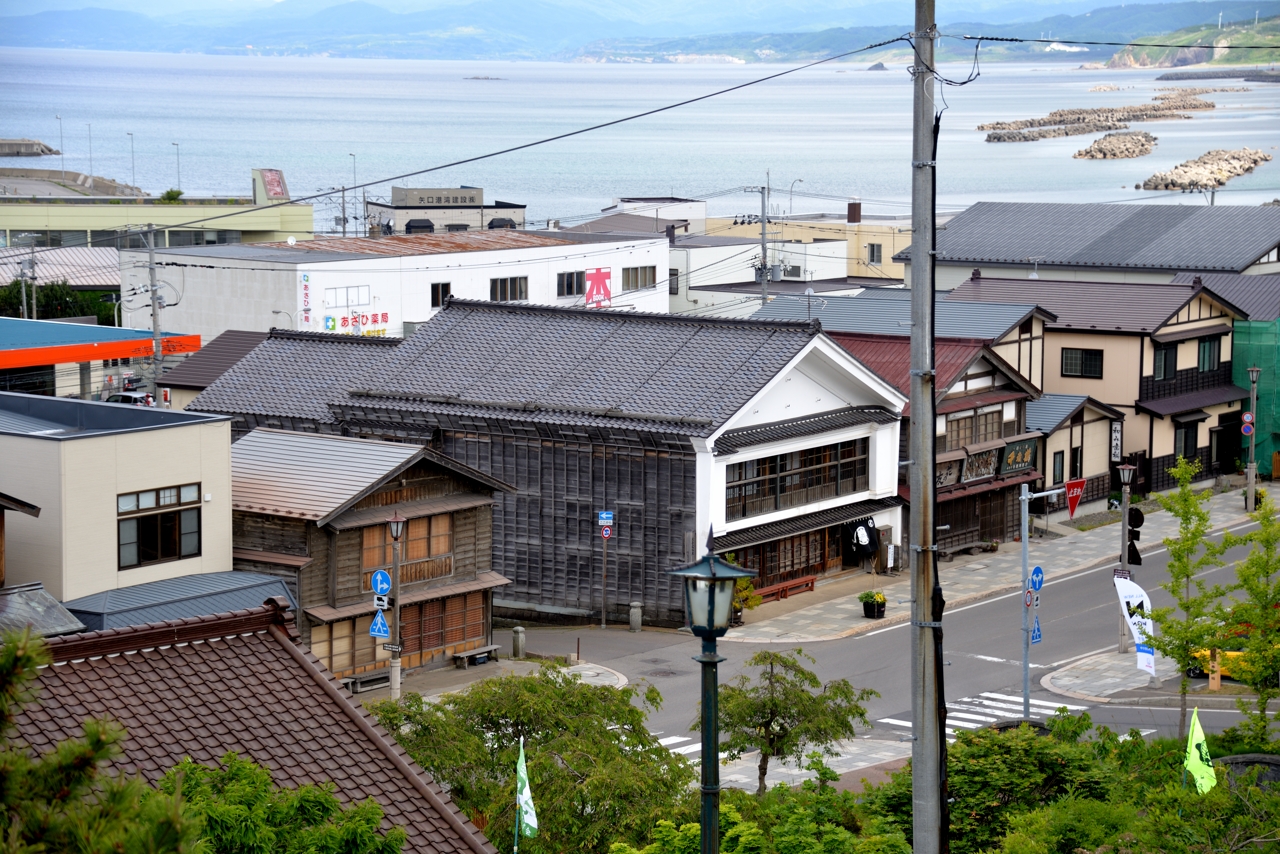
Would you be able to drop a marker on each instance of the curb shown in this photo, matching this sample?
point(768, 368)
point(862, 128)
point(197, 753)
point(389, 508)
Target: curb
point(623, 681)
point(1160, 701)
point(969, 600)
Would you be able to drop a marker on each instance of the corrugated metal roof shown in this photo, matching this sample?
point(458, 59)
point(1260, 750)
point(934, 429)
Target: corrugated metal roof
point(431, 244)
point(31, 605)
point(19, 334)
point(63, 418)
point(626, 223)
point(1152, 237)
point(308, 475)
point(890, 358)
point(1259, 295)
point(1165, 406)
point(213, 360)
point(876, 313)
point(1085, 306)
point(199, 595)
point(851, 416)
point(79, 266)
point(1047, 414)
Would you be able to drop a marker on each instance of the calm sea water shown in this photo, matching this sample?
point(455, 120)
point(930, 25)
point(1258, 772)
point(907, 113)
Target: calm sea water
point(843, 130)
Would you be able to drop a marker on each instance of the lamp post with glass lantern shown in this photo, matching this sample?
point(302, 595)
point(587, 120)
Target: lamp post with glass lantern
point(1126, 478)
point(1251, 473)
point(708, 604)
point(396, 526)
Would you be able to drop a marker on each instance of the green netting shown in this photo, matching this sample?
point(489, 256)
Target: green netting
point(1258, 344)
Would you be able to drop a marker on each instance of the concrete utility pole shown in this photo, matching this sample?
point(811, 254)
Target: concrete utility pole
point(157, 354)
point(30, 270)
point(928, 787)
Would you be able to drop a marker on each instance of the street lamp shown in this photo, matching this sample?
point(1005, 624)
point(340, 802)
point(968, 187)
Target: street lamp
point(708, 606)
point(1251, 473)
point(791, 206)
point(292, 325)
point(177, 150)
point(1126, 479)
point(396, 527)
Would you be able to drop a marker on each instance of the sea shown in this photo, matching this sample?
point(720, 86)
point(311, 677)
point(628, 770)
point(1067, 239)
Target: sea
point(819, 136)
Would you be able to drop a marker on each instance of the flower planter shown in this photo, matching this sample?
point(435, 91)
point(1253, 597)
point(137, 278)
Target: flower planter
point(873, 610)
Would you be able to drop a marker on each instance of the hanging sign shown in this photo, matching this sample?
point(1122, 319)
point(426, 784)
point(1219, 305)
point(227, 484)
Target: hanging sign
point(1117, 441)
point(1075, 489)
point(1137, 607)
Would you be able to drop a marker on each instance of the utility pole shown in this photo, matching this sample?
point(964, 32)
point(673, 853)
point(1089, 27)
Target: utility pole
point(156, 305)
point(90, 156)
point(31, 274)
point(133, 162)
point(928, 747)
point(62, 148)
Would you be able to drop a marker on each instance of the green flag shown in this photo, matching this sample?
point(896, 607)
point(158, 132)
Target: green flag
point(1197, 762)
point(526, 817)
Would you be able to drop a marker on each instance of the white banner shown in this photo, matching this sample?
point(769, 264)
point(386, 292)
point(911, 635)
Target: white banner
point(1137, 607)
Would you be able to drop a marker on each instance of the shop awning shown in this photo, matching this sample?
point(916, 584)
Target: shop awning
point(771, 531)
point(1193, 417)
point(964, 490)
point(483, 581)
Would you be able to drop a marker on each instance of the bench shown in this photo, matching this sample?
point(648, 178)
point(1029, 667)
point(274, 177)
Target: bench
point(367, 681)
point(774, 592)
point(462, 659)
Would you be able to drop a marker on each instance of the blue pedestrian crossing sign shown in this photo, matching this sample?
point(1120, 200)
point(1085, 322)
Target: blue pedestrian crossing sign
point(381, 582)
point(378, 628)
point(1037, 579)
point(1036, 637)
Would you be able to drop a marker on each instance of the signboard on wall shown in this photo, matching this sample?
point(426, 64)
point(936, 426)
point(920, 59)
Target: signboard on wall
point(598, 293)
point(982, 464)
point(1018, 456)
point(1117, 441)
point(269, 186)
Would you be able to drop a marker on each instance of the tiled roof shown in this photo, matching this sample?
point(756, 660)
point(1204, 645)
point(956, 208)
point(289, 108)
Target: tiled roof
point(1259, 295)
point(886, 311)
point(800, 524)
point(851, 416)
point(198, 595)
point(580, 366)
point(213, 360)
point(239, 682)
point(294, 374)
point(1165, 406)
point(1223, 238)
point(23, 605)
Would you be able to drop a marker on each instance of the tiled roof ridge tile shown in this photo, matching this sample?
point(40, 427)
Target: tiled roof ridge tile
point(332, 337)
point(813, 327)
point(528, 406)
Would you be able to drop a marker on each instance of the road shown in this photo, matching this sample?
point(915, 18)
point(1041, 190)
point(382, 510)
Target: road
point(982, 648)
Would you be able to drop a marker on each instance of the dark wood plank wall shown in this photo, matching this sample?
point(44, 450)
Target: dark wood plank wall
point(268, 533)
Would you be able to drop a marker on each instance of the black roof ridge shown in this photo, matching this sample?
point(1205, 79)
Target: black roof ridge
point(526, 406)
point(812, 326)
point(337, 337)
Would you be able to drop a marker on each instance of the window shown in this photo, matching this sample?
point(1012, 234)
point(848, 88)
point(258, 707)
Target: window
point(1165, 362)
point(456, 226)
point(673, 281)
point(158, 525)
point(1184, 441)
point(988, 425)
point(1082, 363)
point(959, 432)
point(347, 297)
point(1057, 466)
point(1077, 463)
point(875, 254)
point(512, 289)
point(426, 550)
point(635, 278)
point(439, 293)
point(202, 238)
point(789, 480)
point(1210, 352)
point(571, 284)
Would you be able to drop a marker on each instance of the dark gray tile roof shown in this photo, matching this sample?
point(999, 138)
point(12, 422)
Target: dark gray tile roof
point(851, 416)
point(800, 524)
point(876, 314)
point(1147, 237)
point(580, 366)
point(1165, 406)
point(197, 595)
point(1044, 415)
point(1258, 295)
point(23, 605)
point(213, 359)
point(294, 374)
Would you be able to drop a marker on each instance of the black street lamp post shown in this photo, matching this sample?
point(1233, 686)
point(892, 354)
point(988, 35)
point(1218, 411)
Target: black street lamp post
point(708, 605)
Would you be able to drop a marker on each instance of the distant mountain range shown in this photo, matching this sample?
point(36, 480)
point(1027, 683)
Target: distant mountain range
point(603, 30)
point(1203, 44)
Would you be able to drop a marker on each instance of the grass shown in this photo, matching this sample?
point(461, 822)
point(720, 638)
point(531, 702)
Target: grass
point(1266, 33)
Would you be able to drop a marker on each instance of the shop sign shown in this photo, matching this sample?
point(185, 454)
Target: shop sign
point(1116, 442)
point(1018, 456)
point(947, 474)
point(982, 464)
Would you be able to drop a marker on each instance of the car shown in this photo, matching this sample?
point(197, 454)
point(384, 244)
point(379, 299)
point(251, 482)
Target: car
point(133, 398)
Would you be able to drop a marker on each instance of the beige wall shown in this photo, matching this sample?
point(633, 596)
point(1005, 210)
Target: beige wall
point(1025, 355)
point(1119, 384)
point(71, 548)
point(892, 234)
point(1096, 442)
point(180, 397)
point(275, 222)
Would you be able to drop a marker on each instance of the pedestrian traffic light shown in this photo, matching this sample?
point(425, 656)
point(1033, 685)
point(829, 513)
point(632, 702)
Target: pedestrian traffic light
point(1136, 518)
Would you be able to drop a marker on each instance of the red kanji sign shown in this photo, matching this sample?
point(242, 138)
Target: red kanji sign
point(1075, 489)
point(598, 294)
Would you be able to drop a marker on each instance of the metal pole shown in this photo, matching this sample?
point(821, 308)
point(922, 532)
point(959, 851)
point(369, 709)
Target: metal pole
point(90, 156)
point(1025, 500)
point(1124, 561)
point(62, 150)
point(133, 162)
point(178, 154)
point(344, 211)
point(710, 747)
point(604, 582)
point(395, 620)
point(157, 353)
point(35, 294)
point(1252, 471)
point(764, 246)
point(926, 749)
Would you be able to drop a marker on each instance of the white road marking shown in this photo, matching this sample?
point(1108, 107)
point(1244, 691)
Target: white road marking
point(673, 739)
point(1049, 705)
point(895, 722)
point(954, 714)
point(687, 749)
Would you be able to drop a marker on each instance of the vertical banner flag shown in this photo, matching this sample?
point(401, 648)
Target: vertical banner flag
point(1197, 762)
point(1137, 607)
point(526, 818)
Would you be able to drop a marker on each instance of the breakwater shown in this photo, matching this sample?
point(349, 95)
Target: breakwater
point(1210, 170)
point(1118, 146)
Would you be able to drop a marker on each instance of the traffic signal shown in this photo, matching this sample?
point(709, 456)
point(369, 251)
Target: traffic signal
point(1136, 518)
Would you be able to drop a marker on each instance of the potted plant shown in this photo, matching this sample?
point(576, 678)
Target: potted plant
point(873, 603)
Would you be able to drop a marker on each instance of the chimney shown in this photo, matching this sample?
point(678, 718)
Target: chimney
point(1198, 282)
point(976, 274)
point(855, 212)
point(671, 235)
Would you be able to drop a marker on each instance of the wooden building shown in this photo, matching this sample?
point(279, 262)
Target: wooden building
point(313, 509)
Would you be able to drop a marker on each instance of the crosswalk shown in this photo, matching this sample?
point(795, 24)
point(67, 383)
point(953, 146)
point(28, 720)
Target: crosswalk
point(675, 743)
point(968, 713)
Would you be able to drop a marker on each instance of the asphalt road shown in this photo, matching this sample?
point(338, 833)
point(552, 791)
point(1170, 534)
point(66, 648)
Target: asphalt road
point(982, 645)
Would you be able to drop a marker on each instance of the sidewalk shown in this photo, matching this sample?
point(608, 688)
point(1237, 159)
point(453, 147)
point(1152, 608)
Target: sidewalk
point(1113, 677)
point(431, 684)
point(982, 577)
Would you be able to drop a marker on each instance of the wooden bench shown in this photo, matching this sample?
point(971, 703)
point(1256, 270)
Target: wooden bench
point(462, 659)
point(367, 681)
point(774, 592)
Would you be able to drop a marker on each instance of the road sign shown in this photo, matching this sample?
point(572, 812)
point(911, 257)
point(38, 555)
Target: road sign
point(381, 582)
point(605, 517)
point(380, 602)
point(1026, 599)
point(606, 532)
point(393, 648)
point(1246, 429)
point(1075, 489)
point(1036, 601)
point(1037, 579)
point(1036, 637)
point(378, 628)
point(1247, 418)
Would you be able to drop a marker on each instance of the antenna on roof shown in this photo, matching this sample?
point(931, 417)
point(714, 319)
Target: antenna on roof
point(1035, 270)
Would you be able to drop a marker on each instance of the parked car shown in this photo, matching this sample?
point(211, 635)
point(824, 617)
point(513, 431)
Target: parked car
point(134, 398)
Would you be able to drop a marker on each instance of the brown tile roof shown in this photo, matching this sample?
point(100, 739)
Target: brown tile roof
point(427, 244)
point(239, 681)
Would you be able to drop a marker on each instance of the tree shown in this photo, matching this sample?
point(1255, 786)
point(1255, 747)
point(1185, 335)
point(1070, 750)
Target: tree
point(241, 811)
point(1190, 553)
point(596, 772)
point(170, 196)
point(787, 711)
point(55, 300)
point(61, 800)
point(1254, 620)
